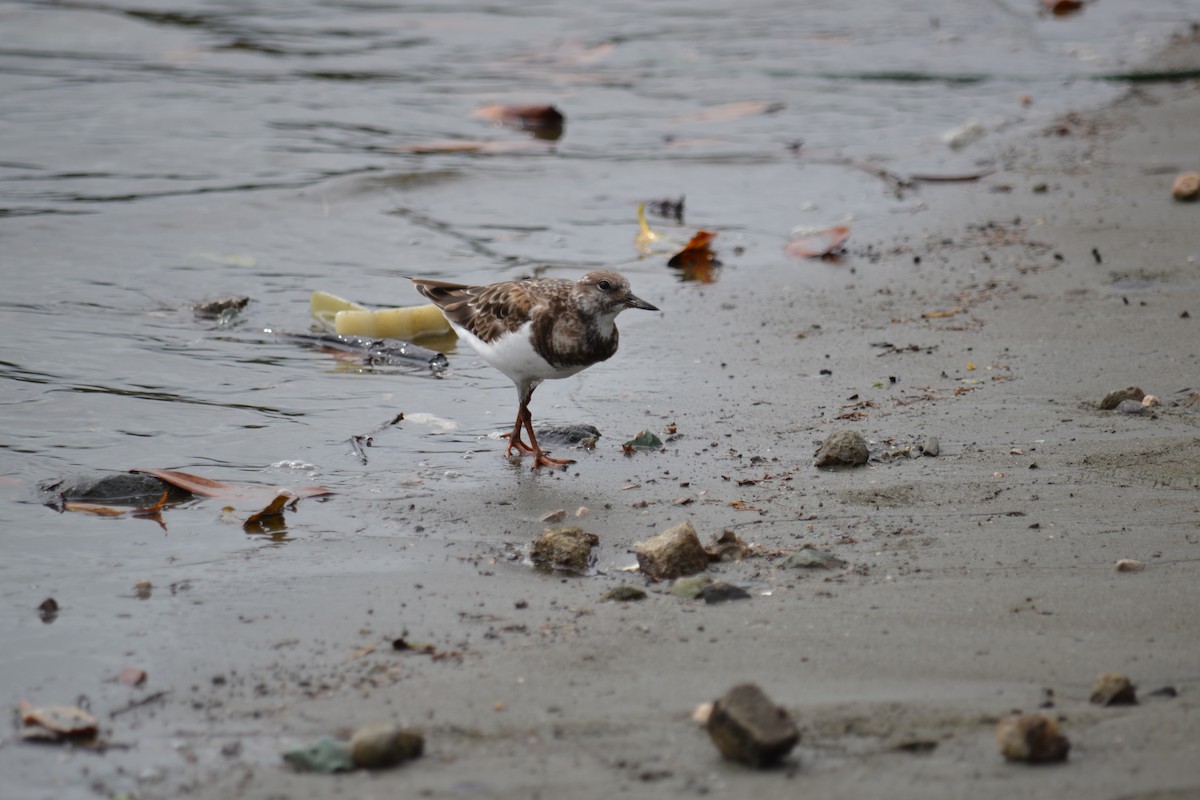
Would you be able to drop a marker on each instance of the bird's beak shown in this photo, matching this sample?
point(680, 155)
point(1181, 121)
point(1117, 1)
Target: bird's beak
point(632, 301)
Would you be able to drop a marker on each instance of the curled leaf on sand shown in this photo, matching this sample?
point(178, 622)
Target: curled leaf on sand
point(697, 259)
point(820, 244)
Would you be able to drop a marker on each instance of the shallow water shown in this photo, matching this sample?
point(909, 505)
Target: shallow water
point(156, 157)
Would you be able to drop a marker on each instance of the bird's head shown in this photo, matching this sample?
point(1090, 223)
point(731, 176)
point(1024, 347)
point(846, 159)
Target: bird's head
point(605, 293)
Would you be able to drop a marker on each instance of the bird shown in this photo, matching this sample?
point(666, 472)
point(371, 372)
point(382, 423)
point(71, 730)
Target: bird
point(536, 329)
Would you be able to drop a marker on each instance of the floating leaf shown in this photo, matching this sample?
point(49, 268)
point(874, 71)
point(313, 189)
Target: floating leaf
point(467, 146)
point(207, 487)
point(646, 237)
point(271, 517)
point(696, 259)
point(544, 122)
point(731, 111)
point(820, 244)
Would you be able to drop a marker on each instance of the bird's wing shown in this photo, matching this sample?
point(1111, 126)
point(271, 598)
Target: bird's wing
point(489, 312)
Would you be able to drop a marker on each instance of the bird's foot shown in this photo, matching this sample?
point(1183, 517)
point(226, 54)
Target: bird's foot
point(517, 444)
point(543, 460)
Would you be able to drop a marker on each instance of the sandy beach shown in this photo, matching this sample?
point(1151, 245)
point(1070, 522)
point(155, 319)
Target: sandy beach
point(992, 314)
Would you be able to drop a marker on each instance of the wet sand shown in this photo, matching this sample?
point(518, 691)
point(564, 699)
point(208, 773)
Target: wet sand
point(980, 581)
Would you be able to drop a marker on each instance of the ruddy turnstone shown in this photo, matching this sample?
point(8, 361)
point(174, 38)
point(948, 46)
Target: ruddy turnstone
point(535, 330)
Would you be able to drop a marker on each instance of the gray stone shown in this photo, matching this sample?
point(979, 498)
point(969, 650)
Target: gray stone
point(720, 592)
point(931, 447)
point(809, 557)
point(747, 727)
point(844, 448)
point(1134, 407)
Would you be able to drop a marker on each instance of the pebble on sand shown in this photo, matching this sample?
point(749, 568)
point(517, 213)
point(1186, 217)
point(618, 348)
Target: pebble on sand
point(747, 727)
point(1113, 399)
point(1130, 565)
point(674, 552)
point(1032, 738)
point(931, 447)
point(383, 744)
point(1186, 186)
point(843, 448)
point(568, 549)
point(1113, 689)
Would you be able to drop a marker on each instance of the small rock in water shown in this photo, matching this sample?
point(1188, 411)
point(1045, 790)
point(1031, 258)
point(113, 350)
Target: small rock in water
point(584, 435)
point(747, 727)
point(1032, 738)
point(720, 592)
point(567, 549)
point(1130, 565)
point(1133, 407)
point(212, 309)
point(674, 552)
point(1113, 689)
point(1113, 399)
point(843, 449)
point(1186, 186)
point(382, 744)
point(931, 447)
point(624, 593)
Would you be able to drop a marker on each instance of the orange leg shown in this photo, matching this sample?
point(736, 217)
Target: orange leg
point(540, 459)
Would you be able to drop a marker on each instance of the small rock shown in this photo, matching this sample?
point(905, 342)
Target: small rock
point(624, 593)
point(142, 589)
point(568, 549)
point(674, 552)
point(212, 309)
point(1033, 738)
point(720, 592)
point(1113, 689)
point(727, 546)
point(689, 588)
point(1130, 565)
point(1186, 186)
point(570, 435)
point(702, 713)
point(382, 744)
point(931, 447)
point(809, 557)
point(747, 727)
point(1167, 692)
point(1151, 401)
point(555, 516)
point(48, 609)
point(844, 448)
point(1130, 407)
point(1113, 399)
point(582, 511)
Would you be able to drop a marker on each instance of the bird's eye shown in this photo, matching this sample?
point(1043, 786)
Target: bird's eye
point(604, 285)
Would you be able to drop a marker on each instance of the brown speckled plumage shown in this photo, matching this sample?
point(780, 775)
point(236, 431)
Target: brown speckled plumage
point(570, 328)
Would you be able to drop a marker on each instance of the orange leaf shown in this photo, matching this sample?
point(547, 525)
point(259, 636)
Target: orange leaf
point(696, 259)
point(820, 244)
